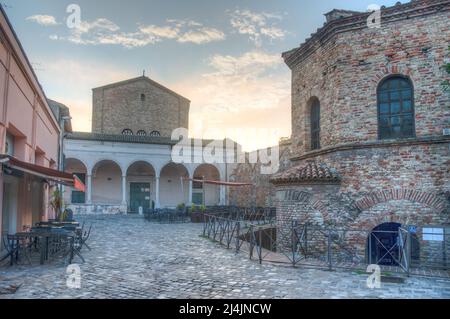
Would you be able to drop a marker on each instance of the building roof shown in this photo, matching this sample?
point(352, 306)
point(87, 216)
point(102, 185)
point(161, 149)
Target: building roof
point(339, 21)
point(136, 139)
point(84, 136)
point(60, 110)
point(311, 172)
point(141, 78)
point(339, 14)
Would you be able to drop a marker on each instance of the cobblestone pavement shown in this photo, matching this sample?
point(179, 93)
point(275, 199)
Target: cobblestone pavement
point(132, 258)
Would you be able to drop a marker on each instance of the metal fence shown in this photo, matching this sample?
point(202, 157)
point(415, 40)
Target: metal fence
point(265, 240)
point(167, 216)
point(254, 214)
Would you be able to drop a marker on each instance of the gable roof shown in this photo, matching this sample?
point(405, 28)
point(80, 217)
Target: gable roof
point(138, 79)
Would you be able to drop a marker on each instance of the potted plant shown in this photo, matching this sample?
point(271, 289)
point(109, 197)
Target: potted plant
point(57, 203)
point(197, 213)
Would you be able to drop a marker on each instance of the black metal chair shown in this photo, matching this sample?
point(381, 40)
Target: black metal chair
point(84, 237)
point(69, 215)
point(16, 247)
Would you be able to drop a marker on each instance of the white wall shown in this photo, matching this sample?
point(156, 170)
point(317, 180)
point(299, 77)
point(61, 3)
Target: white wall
point(172, 191)
point(127, 154)
point(107, 184)
point(211, 192)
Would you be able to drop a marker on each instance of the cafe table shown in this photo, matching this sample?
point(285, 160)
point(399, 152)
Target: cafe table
point(44, 235)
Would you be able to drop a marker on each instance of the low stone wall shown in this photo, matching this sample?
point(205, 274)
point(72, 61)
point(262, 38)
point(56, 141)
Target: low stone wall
point(98, 209)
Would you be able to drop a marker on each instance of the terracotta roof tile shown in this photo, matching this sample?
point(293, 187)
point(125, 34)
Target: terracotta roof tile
point(309, 172)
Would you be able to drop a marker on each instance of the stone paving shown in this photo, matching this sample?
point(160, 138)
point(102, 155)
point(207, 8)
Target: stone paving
point(132, 258)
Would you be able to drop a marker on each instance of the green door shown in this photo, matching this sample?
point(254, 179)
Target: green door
point(139, 197)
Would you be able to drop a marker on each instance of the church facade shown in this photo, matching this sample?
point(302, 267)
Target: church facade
point(126, 162)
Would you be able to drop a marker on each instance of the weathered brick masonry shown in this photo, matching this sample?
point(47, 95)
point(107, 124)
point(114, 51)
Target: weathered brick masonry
point(262, 194)
point(138, 104)
point(355, 179)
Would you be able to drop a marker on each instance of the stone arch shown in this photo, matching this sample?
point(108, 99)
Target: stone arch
point(206, 194)
point(140, 186)
point(293, 197)
point(174, 185)
point(75, 159)
point(306, 198)
point(107, 182)
point(383, 196)
point(100, 160)
point(76, 166)
point(391, 70)
point(297, 196)
point(133, 163)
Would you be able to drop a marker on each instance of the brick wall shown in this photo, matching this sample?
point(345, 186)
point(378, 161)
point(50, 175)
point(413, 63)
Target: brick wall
point(404, 181)
point(262, 194)
point(344, 73)
point(120, 106)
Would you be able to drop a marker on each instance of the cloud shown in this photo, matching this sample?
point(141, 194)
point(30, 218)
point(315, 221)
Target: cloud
point(202, 35)
point(71, 81)
point(167, 32)
point(244, 91)
point(257, 25)
point(45, 20)
point(103, 31)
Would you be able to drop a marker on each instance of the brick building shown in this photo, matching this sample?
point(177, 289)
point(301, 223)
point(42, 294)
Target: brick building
point(370, 117)
point(141, 106)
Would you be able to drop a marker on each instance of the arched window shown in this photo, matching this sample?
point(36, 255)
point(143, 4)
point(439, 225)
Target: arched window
point(143, 97)
point(155, 134)
point(396, 108)
point(141, 133)
point(315, 125)
point(127, 131)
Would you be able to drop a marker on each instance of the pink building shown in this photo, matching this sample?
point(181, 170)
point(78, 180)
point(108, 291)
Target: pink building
point(29, 139)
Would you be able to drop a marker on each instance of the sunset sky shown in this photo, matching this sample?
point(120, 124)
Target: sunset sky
point(225, 56)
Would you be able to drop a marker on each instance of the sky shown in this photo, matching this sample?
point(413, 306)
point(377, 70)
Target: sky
point(224, 56)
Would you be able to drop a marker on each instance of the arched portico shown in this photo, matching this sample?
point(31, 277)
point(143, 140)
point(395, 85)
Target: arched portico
point(174, 185)
point(107, 183)
point(141, 186)
point(206, 194)
point(77, 167)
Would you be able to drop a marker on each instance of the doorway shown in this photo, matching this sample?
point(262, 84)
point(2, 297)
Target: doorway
point(383, 245)
point(139, 197)
point(9, 207)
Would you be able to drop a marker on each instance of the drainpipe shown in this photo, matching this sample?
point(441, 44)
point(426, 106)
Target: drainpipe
point(62, 123)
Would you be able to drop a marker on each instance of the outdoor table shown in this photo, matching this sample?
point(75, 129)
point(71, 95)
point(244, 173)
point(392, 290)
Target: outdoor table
point(45, 236)
point(55, 223)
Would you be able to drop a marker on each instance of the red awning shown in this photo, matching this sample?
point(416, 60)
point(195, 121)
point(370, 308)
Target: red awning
point(232, 184)
point(40, 171)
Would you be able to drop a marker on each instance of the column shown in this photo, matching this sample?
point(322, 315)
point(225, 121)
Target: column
point(222, 200)
point(124, 191)
point(191, 187)
point(89, 189)
point(157, 203)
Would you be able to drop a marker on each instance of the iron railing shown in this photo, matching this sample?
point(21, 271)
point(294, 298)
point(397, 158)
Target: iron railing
point(330, 248)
